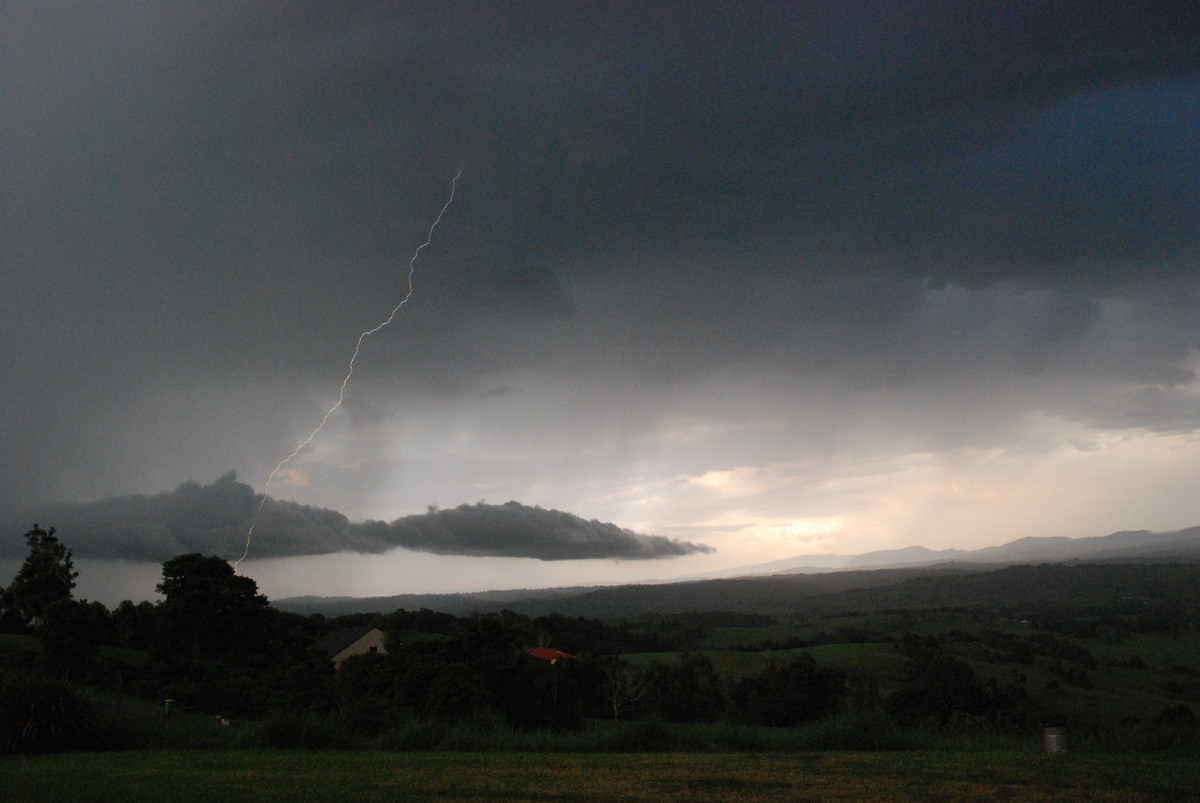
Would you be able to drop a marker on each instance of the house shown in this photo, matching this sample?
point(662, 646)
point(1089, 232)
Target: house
point(341, 644)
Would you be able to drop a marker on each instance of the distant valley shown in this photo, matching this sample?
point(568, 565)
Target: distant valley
point(825, 582)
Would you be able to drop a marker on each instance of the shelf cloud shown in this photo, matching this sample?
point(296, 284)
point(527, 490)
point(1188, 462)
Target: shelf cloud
point(215, 519)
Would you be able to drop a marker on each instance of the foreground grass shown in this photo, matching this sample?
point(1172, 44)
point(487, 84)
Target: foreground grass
point(266, 775)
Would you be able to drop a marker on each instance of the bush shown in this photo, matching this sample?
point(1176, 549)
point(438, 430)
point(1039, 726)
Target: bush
point(417, 735)
point(72, 632)
point(289, 729)
point(365, 717)
point(790, 693)
point(644, 736)
point(1174, 728)
point(861, 730)
point(938, 687)
point(486, 730)
point(212, 688)
point(40, 715)
point(732, 738)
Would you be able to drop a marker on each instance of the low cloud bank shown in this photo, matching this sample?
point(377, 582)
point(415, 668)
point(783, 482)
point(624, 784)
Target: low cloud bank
point(214, 519)
point(518, 531)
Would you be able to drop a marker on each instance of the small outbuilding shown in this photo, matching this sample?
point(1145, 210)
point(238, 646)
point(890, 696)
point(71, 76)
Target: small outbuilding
point(341, 644)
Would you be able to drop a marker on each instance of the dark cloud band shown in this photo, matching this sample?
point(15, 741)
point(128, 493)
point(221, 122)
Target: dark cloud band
point(213, 519)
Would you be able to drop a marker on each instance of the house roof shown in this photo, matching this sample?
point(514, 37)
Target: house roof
point(339, 640)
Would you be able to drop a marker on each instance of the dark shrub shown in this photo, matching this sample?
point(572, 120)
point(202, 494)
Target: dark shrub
point(937, 687)
point(860, 730)
point(685, 691)
point(40, 715)
point(290, 729)
point(644, 736)
point(365, 716)
point(1175, 727)
point(790, 693)
point(72, 631)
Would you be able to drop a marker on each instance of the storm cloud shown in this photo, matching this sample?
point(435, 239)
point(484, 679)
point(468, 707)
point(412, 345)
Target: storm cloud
point(519, 531)
point(764, 277)
point(215, 519)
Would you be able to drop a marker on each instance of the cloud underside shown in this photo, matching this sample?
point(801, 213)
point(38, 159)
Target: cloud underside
point(216, 519)
point(810, 275)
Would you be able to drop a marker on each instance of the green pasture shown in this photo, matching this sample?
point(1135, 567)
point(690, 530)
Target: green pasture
point(1157, 650)
point(266, 775)
point(859, 627)
point(729, 638)
point(1119, 695)
point(879, 660)
point(853, 658)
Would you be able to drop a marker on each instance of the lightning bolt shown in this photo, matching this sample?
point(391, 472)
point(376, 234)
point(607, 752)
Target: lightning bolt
point(412, 266)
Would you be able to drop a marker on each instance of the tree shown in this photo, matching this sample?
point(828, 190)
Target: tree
point(624, 686)
point(790, 693)
point(136, 624)
point(47, 575)
point(457, 693)
point(938, 686)
point(685, 691)
point(11, 619)
point(209, 611)
point(72, 632)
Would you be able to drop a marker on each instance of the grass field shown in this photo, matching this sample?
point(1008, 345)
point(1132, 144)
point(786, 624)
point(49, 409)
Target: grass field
point(1113, 690)
point(359, 776)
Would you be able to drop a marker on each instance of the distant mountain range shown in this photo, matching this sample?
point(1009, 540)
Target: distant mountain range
point(1182, 545)
point(784, 584)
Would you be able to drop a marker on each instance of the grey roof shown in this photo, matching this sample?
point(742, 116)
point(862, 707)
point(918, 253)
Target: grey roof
point(339, 640)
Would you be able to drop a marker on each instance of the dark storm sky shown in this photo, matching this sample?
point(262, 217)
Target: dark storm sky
point(772, 277)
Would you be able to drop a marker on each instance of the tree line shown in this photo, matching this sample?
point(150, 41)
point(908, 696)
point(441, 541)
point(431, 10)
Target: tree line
point(214, 644)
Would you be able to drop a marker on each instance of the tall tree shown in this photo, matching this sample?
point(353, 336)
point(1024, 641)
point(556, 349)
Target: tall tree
point(209, 611)
point(47, 575)
point(11, 620)
point(72, 631)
